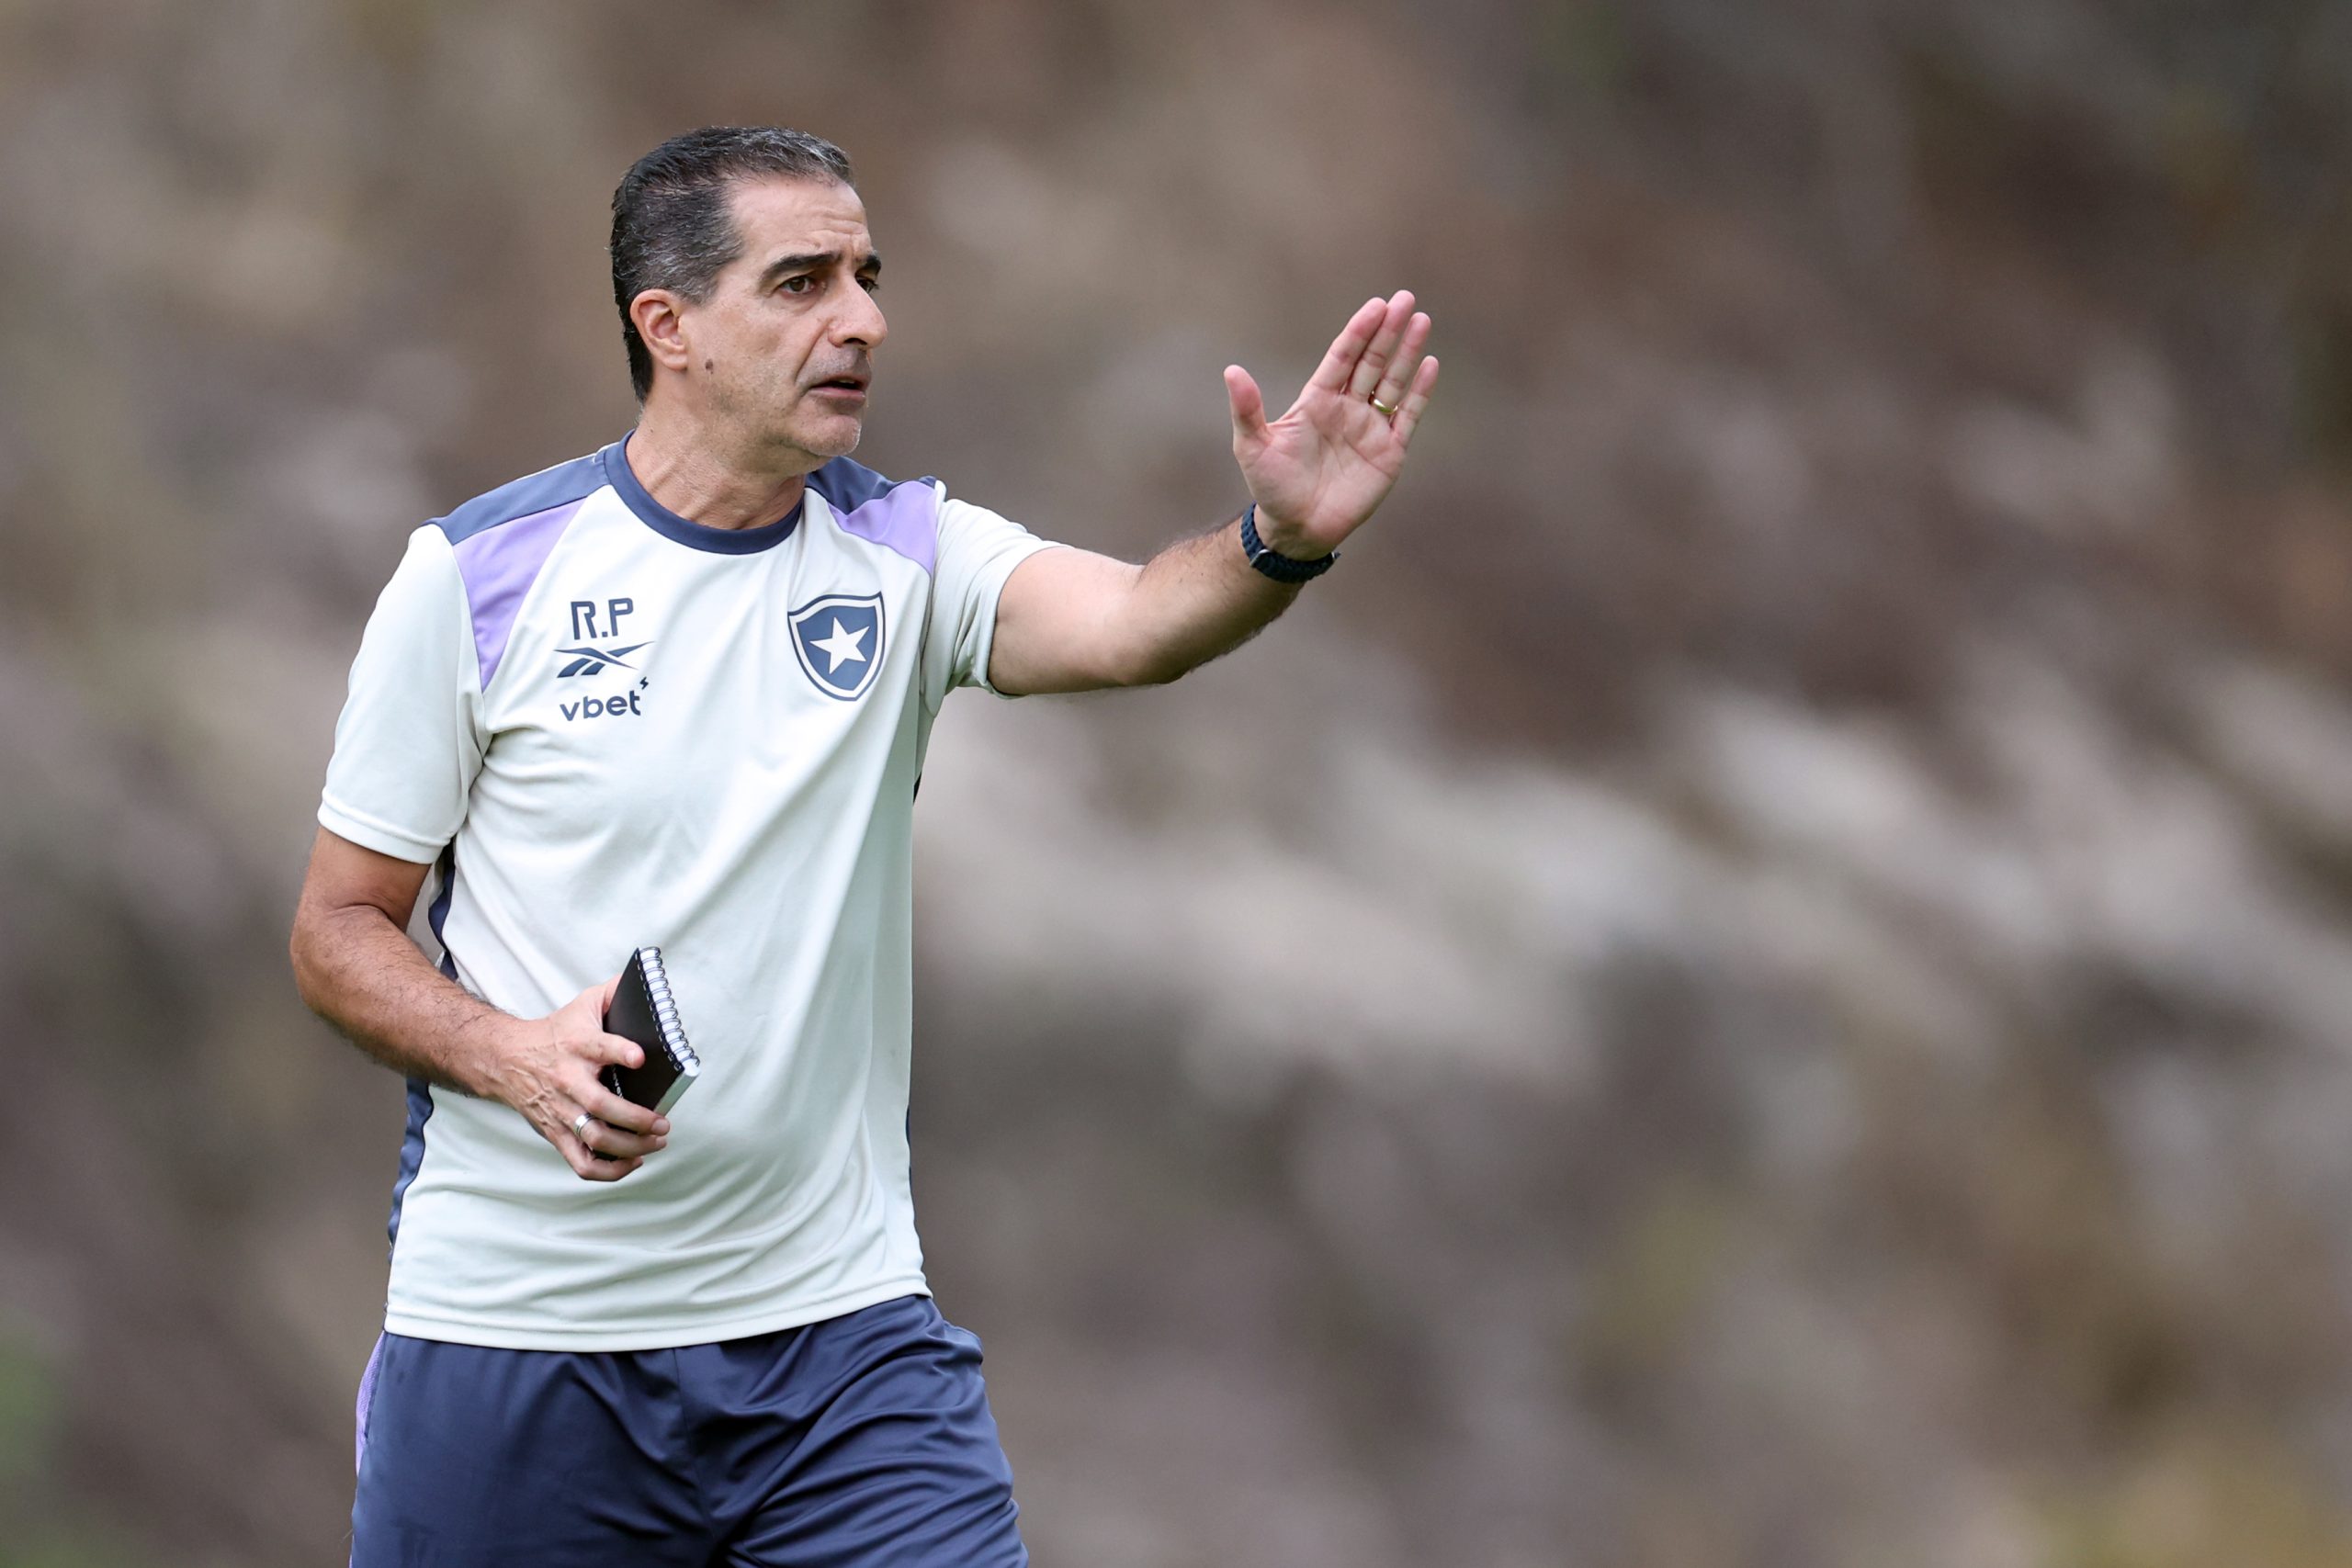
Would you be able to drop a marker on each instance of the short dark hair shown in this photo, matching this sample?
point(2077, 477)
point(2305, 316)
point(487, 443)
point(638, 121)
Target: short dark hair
point(670, 226)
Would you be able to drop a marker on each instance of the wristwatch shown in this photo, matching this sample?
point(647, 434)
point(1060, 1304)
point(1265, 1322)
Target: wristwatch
point(1272, 562)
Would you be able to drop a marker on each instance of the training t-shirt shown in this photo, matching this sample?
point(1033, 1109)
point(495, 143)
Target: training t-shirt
point(607, 725)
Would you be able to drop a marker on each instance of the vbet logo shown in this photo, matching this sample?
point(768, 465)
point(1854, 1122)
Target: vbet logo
point(839, 639)
point(605, 708)
point(582, 658)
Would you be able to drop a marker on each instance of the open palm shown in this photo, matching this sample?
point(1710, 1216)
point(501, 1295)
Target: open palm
point(1318, 471)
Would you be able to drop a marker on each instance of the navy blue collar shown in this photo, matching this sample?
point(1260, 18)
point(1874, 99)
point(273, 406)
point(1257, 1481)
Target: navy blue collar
point(695, 535)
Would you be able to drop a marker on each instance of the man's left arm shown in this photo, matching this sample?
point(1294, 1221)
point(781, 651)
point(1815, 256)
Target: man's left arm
point(1071, 621)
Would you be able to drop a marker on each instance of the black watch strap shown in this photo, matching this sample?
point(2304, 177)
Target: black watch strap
point(1272, 562)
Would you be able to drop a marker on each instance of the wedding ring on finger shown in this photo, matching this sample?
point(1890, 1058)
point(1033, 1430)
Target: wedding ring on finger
point(579, 1126)
point(1388, 411)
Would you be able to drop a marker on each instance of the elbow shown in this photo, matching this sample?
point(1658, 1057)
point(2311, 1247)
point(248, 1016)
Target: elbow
point(299, 950)
point(308, 949)
point(1148, 675)
point(1146, 667)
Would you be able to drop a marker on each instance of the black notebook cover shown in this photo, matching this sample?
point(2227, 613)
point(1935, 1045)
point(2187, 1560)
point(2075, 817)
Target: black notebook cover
point(643, 1010)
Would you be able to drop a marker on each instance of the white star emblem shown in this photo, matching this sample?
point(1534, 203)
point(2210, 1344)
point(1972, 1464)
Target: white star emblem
point(842, 647)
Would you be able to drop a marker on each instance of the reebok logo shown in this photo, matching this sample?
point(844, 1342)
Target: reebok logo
point(592, 661)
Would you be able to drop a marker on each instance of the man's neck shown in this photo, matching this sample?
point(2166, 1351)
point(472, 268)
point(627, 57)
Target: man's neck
point(679, 468)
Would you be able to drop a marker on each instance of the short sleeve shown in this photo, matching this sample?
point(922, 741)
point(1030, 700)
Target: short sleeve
point(977, 550)
point(410, 740)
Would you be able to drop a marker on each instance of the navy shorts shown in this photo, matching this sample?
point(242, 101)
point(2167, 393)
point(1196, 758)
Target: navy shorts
point(863, 1439)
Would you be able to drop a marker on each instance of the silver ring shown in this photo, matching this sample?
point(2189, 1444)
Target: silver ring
point(579, 1124)
point(1388, 411)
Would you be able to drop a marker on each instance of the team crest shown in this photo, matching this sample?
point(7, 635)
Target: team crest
point(839, 639)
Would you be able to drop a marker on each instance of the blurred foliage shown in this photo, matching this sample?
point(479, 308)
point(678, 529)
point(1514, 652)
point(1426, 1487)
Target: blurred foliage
point(1760, 978)
point(2203, 1497)
point(27, 1411)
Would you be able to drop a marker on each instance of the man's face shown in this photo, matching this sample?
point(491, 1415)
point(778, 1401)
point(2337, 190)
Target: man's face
point(784, 345)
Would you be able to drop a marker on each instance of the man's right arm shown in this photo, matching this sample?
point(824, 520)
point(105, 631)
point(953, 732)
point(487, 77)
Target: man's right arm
point(356, 967)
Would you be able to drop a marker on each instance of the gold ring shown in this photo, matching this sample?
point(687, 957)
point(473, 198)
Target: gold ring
point(1388, 411)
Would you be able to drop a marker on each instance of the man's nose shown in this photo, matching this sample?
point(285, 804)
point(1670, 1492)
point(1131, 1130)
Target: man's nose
point(860, 320)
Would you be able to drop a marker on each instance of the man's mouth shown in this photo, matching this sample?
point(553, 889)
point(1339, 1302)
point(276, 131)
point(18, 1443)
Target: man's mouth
point(843, 385)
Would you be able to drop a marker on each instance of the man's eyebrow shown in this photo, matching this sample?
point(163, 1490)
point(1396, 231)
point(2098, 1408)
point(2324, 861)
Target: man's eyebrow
point(814, 261)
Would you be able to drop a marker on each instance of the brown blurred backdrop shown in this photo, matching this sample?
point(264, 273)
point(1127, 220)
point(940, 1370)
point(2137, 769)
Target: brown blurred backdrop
point(1762, 976)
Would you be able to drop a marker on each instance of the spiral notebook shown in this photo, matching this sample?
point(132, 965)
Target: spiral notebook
point(644, 1010)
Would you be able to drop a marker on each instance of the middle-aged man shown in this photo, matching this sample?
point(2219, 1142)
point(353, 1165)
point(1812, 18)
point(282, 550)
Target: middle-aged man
point(677, 692)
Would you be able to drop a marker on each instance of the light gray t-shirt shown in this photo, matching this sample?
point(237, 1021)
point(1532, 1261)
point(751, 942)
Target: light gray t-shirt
point(607, 726)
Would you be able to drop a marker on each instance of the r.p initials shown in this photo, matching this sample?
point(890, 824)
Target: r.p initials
point(583, 618)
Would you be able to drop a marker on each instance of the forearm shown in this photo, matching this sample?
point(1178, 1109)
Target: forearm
point(1194, 601)
point(357, 968)
point(361, 972)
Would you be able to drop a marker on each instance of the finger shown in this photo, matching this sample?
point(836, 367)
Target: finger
point(1383, 347)
point(1417, 399)
point(618, 1050)
point(602, 1138)
point(1248, 408)
point(617, 1111)
point(583, 1161)
point(593, 1169)
point(1340, 359)
point(1394, 379)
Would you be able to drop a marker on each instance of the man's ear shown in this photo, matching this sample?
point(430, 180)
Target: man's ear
point(657, 314)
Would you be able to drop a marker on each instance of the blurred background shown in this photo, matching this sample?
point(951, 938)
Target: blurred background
point(1762, 976)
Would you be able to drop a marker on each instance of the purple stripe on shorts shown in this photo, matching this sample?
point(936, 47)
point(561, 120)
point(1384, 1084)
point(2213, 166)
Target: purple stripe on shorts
point(499, 565)
point(904, 519)
point(367, 1398)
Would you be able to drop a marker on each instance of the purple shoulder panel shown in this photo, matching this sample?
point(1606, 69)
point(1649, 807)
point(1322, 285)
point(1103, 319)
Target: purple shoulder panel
point(904, 518)
point(499, 565)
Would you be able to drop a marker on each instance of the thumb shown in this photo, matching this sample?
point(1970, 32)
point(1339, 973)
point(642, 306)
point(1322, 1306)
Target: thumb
point(1248, 408)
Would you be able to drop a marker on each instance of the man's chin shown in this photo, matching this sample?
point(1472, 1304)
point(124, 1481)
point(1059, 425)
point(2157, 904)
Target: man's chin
point(824, 438)
point(834, 437)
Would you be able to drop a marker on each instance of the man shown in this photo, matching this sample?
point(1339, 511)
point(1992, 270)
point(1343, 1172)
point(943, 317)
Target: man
point(677, 692)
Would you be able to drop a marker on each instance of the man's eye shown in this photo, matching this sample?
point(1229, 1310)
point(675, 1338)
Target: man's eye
point(871, 284)
point(800, 285)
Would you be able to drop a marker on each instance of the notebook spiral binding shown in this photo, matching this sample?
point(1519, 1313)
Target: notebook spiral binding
point(665, 1010)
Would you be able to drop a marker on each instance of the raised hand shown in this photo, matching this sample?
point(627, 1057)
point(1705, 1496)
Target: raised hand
point(1317, 472)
